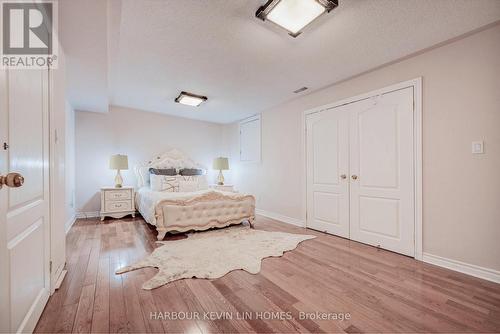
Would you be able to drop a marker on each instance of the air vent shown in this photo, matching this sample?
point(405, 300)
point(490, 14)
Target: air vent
point(300, 90)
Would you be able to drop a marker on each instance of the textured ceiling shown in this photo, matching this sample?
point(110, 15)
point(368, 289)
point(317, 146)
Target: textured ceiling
point(147, 51)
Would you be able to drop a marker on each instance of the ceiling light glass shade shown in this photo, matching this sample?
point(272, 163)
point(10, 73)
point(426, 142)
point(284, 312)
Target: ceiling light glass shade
point(294, 15)
point(190, 99)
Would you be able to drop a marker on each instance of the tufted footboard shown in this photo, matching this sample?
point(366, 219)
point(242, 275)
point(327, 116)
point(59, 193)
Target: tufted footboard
point(213, 209)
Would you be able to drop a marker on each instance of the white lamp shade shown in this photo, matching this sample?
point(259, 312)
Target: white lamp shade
point(221, 163)
point(118, 161)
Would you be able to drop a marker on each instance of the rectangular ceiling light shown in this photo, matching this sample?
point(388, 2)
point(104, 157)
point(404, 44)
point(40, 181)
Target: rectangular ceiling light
point(294, 15)
point(190, 99)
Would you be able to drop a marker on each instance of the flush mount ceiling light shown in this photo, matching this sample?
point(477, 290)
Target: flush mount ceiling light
point(190, 99)
point(294, 15)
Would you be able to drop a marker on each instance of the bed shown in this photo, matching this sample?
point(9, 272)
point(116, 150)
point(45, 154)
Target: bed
point(172, 209)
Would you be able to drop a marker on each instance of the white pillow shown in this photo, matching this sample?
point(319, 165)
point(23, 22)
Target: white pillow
point(143, 176)
point(188, 186)
point(202, 182)
point(164, 183)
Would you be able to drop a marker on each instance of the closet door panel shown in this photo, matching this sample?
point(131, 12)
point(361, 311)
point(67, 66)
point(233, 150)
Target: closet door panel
point(381, 160)
point(325, 155)
point(327, 160)
point(379, 216)
point(378, 146)
point(326, 207)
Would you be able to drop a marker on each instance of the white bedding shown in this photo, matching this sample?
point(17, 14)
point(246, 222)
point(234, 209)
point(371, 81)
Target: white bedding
point(146, 200)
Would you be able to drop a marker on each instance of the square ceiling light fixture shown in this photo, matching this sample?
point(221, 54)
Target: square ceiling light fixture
point(294, 15)
point(190, 99)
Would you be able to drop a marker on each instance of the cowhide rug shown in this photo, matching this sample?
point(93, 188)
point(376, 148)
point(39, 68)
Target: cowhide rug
point(214, 253)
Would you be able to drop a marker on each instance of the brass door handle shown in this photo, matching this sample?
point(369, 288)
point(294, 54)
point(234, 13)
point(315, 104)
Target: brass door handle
point(343, 176)
point(13, 180)
point(354, 177)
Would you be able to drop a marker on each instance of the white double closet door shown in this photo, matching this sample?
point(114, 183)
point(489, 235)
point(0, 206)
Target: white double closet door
point(360, 171)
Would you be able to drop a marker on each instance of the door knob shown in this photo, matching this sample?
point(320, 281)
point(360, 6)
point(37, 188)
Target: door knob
point(343, 176)
point(354, 177)
point(13, 180)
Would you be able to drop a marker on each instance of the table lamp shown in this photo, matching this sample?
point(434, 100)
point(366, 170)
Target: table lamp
point(221, 164)
point(118, 162)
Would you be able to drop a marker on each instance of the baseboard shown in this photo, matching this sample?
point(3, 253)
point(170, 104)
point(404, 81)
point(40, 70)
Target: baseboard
point(466, 268)
point(56, 277)
point(69, 223)
point(281, 218)
point(88, 214)
point(60, 279)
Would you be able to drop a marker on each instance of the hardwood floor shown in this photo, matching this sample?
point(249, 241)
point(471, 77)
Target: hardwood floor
point(380, 290)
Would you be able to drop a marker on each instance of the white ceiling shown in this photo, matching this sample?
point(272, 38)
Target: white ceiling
point(141, 54)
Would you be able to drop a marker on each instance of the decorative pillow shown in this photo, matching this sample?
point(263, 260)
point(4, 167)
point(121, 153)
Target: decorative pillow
point(164, 183)
point(163, 171)
point(191, 171)
point(188, 186)
point(200, 180)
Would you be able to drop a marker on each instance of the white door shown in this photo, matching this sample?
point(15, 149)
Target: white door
point(24, 220)
point(328, 170)
point(382, 170)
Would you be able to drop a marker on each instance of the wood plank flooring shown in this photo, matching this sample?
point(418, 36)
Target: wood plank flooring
point(380, 290)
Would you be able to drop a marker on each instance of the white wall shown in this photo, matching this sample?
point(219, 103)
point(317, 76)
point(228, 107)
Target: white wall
point(461, 104)
point(70, 166)
point(140, 135)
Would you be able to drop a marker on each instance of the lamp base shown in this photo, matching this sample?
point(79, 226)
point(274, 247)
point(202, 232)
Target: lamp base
point(118, 179)
point(220, 179)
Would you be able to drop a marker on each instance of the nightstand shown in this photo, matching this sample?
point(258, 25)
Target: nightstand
point(225, 187)
point(117, 202)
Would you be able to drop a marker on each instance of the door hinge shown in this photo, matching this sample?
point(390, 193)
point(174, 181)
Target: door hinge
point(5, 146)
point(50, 266)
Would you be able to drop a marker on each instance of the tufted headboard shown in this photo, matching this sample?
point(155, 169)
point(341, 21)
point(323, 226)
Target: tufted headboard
point(171, 159)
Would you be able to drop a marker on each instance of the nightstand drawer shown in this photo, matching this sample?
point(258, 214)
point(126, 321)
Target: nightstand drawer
point(116, 206)
point(224, 187)
point(116, 195)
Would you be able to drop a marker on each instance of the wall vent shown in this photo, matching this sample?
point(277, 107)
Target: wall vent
point(300, 90)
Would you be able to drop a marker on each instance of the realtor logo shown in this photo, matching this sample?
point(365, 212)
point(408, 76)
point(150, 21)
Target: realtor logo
point(28, 39)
